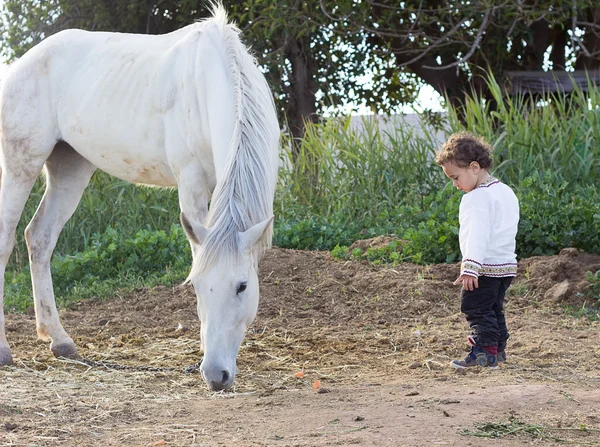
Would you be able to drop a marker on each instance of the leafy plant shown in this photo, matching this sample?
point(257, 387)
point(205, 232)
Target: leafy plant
point(340, 252)
point(594, 290)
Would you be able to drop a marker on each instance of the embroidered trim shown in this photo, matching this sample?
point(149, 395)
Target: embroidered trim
point(499, 275)
point(474, 268)
point(470, 267)
point(491, 181)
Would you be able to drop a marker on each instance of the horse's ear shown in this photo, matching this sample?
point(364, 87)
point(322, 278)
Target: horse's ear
point(253, 234)
point(195, 233)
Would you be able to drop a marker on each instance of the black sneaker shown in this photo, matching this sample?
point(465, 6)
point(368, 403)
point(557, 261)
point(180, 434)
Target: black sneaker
point(502, 350)
point(477, 357)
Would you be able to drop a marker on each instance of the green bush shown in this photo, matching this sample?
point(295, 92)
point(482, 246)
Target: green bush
point(112, 254)
point(112, 262)
point(557, 216)
point(552, 217)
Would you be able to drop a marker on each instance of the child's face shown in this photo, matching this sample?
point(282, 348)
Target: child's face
point(465, 179)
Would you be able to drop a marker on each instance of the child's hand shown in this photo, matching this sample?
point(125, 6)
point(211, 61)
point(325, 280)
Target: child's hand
point(468, 282)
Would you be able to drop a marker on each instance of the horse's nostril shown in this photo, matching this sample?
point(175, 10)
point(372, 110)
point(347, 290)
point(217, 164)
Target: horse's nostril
point(216, 386)
point(218, 379)
point(222, 384)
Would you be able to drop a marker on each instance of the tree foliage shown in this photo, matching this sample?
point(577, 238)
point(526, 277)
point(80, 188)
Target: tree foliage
point(322, 53)
point(26, 22)
point(447, 44)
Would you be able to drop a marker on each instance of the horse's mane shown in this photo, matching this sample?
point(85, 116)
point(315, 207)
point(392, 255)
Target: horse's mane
point(244, 195)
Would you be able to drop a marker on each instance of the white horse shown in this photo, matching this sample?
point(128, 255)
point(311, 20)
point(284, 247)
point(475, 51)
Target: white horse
point(189, 109)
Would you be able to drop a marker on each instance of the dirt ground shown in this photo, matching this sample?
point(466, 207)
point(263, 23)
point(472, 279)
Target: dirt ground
point(378, 339)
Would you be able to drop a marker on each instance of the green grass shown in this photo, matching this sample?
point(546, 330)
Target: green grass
point(347, 185)
point(516, 427)
point(587, 311)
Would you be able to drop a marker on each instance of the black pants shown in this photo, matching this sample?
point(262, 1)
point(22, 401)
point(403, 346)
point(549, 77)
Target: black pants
point(484, 308)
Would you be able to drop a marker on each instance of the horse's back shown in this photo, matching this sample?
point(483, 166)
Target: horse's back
point(107, 95)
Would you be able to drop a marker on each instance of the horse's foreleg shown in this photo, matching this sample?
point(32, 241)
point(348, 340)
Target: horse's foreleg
point(67, 175)
point(5, 354)
point(194, 194)
point(15, 185)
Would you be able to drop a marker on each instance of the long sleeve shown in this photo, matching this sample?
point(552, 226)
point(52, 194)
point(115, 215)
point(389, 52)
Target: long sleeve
point(475, 230)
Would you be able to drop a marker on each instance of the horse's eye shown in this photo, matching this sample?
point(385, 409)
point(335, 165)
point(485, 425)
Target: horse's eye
point(242, 287)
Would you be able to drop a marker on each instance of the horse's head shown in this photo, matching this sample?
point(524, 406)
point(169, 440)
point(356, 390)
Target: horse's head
point(225, 278)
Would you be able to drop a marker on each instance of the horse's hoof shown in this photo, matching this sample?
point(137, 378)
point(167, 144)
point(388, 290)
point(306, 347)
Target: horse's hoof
point(67, 351)
point(5, 357)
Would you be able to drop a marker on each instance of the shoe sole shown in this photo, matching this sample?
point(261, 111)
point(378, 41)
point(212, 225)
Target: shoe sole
point(455, 366)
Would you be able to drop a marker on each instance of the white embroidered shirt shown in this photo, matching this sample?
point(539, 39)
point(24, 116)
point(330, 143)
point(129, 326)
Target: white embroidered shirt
point(489, 217)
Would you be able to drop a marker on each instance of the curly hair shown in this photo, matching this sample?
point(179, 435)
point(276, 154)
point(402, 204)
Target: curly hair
point(463, 148)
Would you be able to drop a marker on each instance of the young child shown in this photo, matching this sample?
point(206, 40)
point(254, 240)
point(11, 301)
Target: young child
point(489, 216)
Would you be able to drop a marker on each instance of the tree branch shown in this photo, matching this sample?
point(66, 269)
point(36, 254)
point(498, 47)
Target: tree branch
point(329, 16)
point(473, 47)
point(577, 40)
point(435, 44)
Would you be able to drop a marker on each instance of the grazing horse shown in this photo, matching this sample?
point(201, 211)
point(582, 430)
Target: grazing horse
point(189, 109)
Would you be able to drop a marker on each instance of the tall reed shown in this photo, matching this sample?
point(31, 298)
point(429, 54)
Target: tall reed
point(554, 133)
point(359, 172)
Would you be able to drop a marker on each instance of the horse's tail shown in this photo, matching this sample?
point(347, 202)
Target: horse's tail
point(249, 179)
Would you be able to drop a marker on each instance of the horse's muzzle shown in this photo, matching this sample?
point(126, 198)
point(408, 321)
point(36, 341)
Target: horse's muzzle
point(218, 379)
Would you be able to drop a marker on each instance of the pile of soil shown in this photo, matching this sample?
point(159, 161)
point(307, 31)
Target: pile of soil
point(561, 279)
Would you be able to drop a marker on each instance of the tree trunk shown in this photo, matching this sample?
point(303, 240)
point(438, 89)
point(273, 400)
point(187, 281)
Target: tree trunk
point(558, 48)
point(301, 107)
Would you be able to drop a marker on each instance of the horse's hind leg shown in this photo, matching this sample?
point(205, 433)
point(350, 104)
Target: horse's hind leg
point(17, 176)
point(67, 175)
